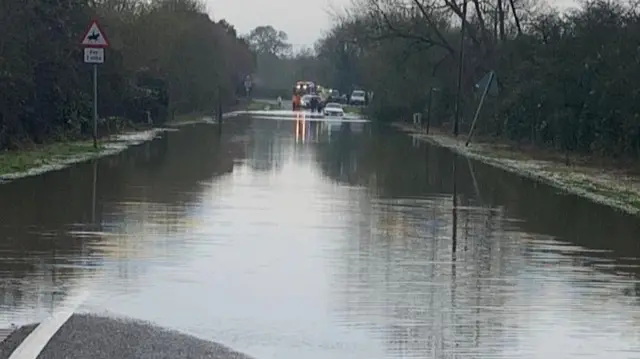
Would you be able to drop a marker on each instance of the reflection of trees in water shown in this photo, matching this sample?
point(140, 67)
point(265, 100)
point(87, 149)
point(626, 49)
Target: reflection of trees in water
point(344, 159)
point(266, 144)
point(400, 170)
point(159, 197)
point(143, 231)
point(386, 271)
point(401, 274)
point(562, 217)
point(36, 246)
point(192, 155)
point(44, 218)
point(43, 291)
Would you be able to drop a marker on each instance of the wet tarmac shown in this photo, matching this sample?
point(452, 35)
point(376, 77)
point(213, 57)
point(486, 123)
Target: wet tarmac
point(86, 336)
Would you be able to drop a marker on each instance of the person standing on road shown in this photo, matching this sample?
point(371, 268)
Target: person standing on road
point(295, 102)
point(279, 102)
point(294, 97)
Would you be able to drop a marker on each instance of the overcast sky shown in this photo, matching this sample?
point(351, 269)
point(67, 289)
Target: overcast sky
point(303, 20)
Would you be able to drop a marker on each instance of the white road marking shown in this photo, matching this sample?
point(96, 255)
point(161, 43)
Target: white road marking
point(33, 345)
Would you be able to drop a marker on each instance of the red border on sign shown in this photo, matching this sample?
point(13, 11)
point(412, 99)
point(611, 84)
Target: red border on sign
point(86, 32)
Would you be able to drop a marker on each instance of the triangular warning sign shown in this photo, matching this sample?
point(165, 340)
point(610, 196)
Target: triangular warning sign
point(94, 37)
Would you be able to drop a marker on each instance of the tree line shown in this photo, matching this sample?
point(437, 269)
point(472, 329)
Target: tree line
point(279, 66)
point(566, 80)
point(165, 57)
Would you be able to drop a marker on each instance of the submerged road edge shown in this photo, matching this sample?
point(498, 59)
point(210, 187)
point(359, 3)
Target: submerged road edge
point(35, 342)
point(113, 145)
point(576, 183)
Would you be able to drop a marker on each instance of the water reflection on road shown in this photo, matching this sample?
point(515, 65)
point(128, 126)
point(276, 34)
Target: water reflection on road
point(300, 239)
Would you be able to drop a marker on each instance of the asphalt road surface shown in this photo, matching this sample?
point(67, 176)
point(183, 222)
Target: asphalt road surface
point(88, 336)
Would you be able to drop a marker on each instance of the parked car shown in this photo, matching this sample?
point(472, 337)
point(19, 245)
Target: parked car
point(305, 101)
point(333, 109)
point(334, 96)
point(358, 98)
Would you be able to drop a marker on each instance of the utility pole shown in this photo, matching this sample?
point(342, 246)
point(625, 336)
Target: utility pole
point(430, 106)
point(219, 109)
point(463, 26)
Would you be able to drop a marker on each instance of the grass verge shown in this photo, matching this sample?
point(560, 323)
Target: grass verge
point(43, 155)
point(256, 106)
point(188, 118)
point(39, 159)
point(617, 188)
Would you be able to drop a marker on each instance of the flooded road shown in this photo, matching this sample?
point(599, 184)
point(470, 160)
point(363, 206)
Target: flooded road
point(295, 240)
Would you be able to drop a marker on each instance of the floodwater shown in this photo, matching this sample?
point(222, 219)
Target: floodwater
point(295, 240)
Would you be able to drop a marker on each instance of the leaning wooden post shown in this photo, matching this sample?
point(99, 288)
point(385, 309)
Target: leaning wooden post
point(475, 117)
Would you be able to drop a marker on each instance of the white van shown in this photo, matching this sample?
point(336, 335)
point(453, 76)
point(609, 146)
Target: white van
point(357, 98)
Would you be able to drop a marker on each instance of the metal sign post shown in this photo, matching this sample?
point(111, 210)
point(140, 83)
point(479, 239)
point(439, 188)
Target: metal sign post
point(94, 43)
